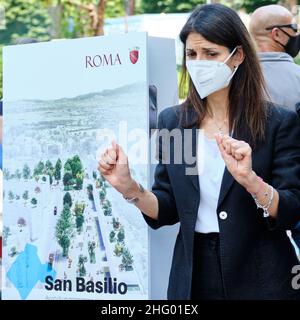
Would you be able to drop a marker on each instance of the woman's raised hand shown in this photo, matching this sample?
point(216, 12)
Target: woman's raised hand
point(114, 167)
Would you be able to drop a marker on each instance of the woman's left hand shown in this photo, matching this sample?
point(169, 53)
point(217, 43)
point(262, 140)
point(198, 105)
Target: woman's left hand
point(237, 156)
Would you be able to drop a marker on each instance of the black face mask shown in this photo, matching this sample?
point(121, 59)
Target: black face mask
point(293, 45)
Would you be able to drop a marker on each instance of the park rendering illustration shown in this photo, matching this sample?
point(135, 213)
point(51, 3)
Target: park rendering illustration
point(67, 233)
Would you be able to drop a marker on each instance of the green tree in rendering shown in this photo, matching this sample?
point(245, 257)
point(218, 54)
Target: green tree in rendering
point(18, 174)
point(79, 181)
point(112, 236)
point(6, 174)
point(79, 218)
point(67, 200)
point(67, 179)
point(39, 169)
point(81, 261)
point(6, 234)
point(11, 195)
point(102, 195)
point(90, 192)
point(127, 260)
point(67, 166)
point(25, 195)
point(107, 212)
point(118, 249)
point(91, 249)
point(64, 230)
point(121, 235)
point(57, 170)
point(33, 202)
point(26, 172)
point(74, 166)
point(49, 167)
point(50, 179)
point(13, 251)
point(116, 223)
point(106, 206)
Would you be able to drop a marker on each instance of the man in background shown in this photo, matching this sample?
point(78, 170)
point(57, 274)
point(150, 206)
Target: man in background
point(276, 35)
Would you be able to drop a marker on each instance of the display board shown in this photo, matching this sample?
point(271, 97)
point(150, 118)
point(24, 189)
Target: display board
point(67, 233)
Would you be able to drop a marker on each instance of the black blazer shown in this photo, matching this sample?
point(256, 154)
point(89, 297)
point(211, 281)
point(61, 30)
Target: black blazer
point(257, 256)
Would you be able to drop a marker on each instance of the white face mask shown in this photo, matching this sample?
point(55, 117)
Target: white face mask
point(210, 76)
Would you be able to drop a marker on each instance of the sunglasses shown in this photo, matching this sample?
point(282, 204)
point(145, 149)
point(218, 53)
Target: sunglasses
point(292, 26)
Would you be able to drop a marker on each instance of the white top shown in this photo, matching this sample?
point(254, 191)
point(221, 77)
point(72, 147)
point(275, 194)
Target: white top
point(210, 170)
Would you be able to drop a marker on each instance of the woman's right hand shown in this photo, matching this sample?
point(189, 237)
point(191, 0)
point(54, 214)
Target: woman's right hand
point(114, 167)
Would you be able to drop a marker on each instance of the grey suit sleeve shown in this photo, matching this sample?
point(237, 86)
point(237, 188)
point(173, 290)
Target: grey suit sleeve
point(162, 189)
point(286, 173)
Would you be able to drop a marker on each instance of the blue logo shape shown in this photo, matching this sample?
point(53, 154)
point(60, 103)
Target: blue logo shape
point(27, 270)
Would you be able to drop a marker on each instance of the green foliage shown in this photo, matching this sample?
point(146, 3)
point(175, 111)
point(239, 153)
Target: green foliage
point(24, 19)
point(13, 251)
point(6, 234)
point(127, 259)
point(112, 236)
point(67, 179)
point(114, 8)
point(6, 174)
point(79, 208)
point(57, 170)
point(106, 206)
point(79, 181)
point(64, 230)
point(116, 223)
point(102, 194)
point(26, 172)
point(174, 6)
point(91, 249)
point(25, 195)
point(107, 212)
point(118, 249)
point(39, 169)
point(18, 174)
point(67, 200)
point(79, 218)
point(90, 192)
point(11, 195)
point(81, 261)
point(251, 5)
point(170, 6)
point(50, 179)
point(34, 201)
point(79, 222)
point(73, 173)
point(121, 235)
point(49, 167)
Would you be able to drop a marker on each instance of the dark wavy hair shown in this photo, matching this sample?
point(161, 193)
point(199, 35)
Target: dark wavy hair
point(247, 106)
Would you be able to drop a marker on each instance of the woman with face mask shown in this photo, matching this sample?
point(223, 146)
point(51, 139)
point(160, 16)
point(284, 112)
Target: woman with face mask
point(237, 189)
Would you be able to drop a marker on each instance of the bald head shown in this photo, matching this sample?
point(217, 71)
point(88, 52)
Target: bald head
point(268, 16)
